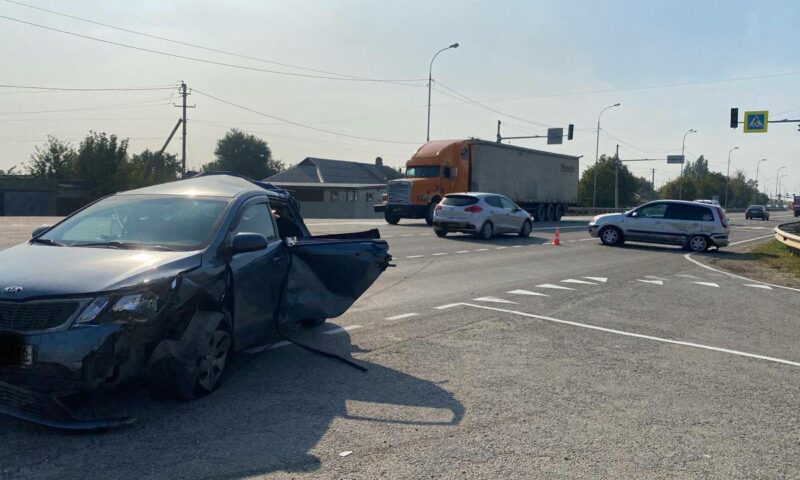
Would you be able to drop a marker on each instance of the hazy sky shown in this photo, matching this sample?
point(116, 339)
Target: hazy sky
point(673, 65)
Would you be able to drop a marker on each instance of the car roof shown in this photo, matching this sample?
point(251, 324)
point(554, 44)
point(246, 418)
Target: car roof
point(476, 194)
point(684, 202)
point(211, 185)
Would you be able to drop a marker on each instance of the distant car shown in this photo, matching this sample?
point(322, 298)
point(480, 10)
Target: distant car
point(708, 202)
point(692, 225)
point(756, 211)
point(482, 214)
point(164, 284)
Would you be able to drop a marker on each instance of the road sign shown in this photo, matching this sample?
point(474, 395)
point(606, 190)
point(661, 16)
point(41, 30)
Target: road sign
point(756, 122)
point(555, 136)
point(674, 158)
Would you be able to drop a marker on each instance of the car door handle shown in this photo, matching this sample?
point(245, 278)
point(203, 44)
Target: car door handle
point(658, 222)
point(279, 258)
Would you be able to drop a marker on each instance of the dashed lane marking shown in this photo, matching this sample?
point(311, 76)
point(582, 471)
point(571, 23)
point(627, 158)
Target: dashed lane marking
point(516, 246)
point(576, 281)
point(587, 239)
point(463, 251)
point(415, 256)
point(439, 254)
point(554, 287)
point(449, 305)
point(637, 335)
point(755, 285)
point(653, 277)
point(707, 284)
point(527, 292)
point(404, 315)
point(500, 248)
point(654, 282)
point(482, 250)
point(336, 330)
point(689, 276)
point(492, 299)
point(598, 279)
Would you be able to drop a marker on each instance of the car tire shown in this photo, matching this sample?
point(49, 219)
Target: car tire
point(312, 322)
point(611, 236)
point(525, 231)
point(440, 233)
point(697, 243)
point(487, 231)
point(746, 217)
point(392, 219)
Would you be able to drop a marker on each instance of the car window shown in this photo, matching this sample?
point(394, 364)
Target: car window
point(494, 202)
point(459, 200)
point(695, 213)
point(446, 172)
point(256, 218)
point(507, 204)
point(653, 211)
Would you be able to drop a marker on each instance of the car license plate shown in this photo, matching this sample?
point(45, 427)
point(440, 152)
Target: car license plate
point(16, 354)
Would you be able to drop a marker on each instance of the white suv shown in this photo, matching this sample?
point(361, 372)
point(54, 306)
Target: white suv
point(692, 225)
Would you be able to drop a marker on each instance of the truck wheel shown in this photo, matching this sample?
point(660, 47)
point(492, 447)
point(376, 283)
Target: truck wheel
point(487, 231)
point(429, 212)
point(611, 236)
point(551, 212)
point(392, 219)
point(541, 213)
point(559, 212)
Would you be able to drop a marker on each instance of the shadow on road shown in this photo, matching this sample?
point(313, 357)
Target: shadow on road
point(272, 411)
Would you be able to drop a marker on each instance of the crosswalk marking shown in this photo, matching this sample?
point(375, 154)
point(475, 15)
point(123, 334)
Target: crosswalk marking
point(707, 284)
point(492, 299)
point(754, 285)
point(579, 282)
point(554, 287)
point(527, 292)
point(598, 279)
point(654, 282)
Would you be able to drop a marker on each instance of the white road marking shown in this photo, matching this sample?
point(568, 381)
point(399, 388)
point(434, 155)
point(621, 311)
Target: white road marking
point(492, 299)
point(449, 305)
point(439, 254)
point(415, 256)
point(688, 256)
point(560, 228)
point(554, 287)
point(654, 282)
point(463, 251)
point(748, 240)
point(586, 239)
point(482, 250)
point(404, 315)
point(424, 234)
point(653, 277)
point(571, 241)
point(500, 248)
point(688, 276)
point(576, 281)
point(527, 292)
point(407, 235)
point(754, 285)
point(707, 284)
point(517, 246)
point(598, 279)
point(638, 335)
point(336, 330)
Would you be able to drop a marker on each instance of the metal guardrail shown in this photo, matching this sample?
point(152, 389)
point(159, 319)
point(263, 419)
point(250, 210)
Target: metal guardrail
point(789, 235)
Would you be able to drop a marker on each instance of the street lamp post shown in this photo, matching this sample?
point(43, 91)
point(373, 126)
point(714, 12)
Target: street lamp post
point(758, 165)
point(776, 181)
point(430, 81)
point(683, 149)
point(597, 154)
point(728, 175)
point(780, 181)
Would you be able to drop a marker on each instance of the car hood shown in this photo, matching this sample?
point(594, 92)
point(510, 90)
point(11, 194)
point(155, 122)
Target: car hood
point(607, 217)
point(43, 270)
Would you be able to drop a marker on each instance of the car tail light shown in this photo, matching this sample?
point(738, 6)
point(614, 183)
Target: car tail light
point(473, 209)
point(438, 206)
point(722, 220)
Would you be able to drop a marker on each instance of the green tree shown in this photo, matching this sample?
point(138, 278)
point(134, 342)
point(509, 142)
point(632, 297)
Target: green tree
point(245, 154)
point(151, 168)
point(54, 159)
point(629, 184)
point(699, 182)
point(102, 162)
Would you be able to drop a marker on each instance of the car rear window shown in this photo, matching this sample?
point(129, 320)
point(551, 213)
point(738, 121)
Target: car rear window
point(694, 213)
point(459, 200)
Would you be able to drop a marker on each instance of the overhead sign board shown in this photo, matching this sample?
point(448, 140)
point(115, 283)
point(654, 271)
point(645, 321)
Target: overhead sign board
point(756, 122)
point(555, 136)
point(675, 158)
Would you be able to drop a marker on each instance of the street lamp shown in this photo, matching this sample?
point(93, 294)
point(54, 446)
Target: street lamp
point(430, 81)
point(780, 180)
point(728, 176)
point(597, 153)
point(758, 165)
point(683, 148)
point(776, 181)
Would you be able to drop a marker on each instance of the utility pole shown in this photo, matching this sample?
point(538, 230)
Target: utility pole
point(184, 92)
point(616, 179)
point(653, 182)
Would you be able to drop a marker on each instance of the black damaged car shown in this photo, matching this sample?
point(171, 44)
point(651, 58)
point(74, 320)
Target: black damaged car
point(165, 283)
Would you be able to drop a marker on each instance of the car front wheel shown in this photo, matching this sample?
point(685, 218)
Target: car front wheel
point(525, 231)
point(698, 243)
point(611, 236)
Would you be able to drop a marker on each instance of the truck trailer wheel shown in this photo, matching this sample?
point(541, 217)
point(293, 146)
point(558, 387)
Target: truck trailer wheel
point(392, 219)
point(541, 213)
point(551, 212)
point(559, 211)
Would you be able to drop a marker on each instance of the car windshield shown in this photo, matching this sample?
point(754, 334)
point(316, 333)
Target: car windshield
point(426, 171)
point(141, 221)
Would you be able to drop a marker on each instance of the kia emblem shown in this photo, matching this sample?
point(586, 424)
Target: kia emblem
point(13, 290)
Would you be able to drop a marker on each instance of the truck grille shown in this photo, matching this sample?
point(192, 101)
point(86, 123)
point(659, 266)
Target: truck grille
point(37, 315)
point(399, 193)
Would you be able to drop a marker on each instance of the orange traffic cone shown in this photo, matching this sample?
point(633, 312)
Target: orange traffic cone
point(556, 241)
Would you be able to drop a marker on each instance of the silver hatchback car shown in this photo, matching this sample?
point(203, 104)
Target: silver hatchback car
point(692, 225)
point(483, 214)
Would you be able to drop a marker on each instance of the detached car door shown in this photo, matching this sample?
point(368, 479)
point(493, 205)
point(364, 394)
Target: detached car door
point(328, 273)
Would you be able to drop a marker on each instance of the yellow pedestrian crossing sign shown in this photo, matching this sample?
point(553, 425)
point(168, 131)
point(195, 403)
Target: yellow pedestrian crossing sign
point(756, 122)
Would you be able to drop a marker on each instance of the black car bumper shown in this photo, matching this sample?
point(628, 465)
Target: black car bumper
point(454, 226)
point(405, 211)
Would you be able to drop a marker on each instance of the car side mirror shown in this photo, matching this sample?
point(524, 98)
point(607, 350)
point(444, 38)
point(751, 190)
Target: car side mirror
point(39, 230)
point(516, 210)
point(634, 215)
point(248, 242)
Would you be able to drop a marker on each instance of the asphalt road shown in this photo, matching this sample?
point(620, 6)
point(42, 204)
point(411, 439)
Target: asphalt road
point(508, 358)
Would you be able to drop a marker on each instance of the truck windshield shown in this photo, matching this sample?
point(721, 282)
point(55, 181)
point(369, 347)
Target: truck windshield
point(427, 171)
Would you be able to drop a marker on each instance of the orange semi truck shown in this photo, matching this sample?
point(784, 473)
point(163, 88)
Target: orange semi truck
point(542, 183)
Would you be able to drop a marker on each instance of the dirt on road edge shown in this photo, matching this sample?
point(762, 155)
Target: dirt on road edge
point(769, 262)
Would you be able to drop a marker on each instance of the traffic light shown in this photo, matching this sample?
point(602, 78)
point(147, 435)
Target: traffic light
point(734, 117)
point(570, 131)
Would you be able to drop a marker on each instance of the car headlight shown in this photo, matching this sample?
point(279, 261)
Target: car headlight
point(140, 306)
point(92, 310)
point(135, 306)
point(594, 219)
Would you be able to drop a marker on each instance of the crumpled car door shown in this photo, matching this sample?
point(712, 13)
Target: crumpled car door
point(328, 273)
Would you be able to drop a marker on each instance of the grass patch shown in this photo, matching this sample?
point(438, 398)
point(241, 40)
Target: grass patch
point(777, 256)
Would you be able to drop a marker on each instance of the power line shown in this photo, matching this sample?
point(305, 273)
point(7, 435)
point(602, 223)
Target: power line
point(67, 89)
point(145, 104)
point(297, 124)
point(216, 50)
point(480, 105)
point(633, 146)
point(209, 62)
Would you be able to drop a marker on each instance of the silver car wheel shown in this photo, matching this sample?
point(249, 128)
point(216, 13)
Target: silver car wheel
point(698, 244)
point(213, 361)
point(487, 231)
point(610, 236)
